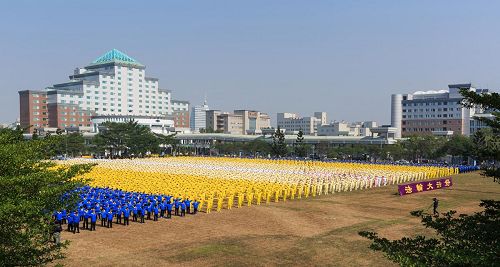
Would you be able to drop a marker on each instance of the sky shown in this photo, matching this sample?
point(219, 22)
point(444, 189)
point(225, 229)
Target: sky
point(342, 57)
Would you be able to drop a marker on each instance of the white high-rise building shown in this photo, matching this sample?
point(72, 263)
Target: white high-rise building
point(113, 85)
point(292, 122)
point(199, 117)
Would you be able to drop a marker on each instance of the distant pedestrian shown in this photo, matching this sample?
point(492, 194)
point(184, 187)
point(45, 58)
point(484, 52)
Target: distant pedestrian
point(435, 204)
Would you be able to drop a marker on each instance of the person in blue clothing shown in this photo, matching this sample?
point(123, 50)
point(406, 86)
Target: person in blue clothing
point(183, 209)
point(76, 222)
point(169, 210)
point(110, 219)
point(119, 215)
point(58, 217)
point(104, 218)
point(126, 215)
point(81, 213)
point(195, 206)
point(156, 212)
point(162, 209)
point(176, 205)
point(149, 209)
point(70, 222)
point(93, 219)
point(140, 211)
point(135, 211)
point(188, 205)
point(86, 216)
point(64, 216)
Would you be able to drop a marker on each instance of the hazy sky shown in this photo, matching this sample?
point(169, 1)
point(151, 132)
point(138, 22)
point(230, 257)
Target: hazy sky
point(343, 57)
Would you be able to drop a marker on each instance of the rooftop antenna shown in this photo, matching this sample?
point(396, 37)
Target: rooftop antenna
point(205, 100)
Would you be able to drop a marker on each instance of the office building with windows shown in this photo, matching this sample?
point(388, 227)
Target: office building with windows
point(292, 122)
point(242, 122)
point(432, 112)
point(198, 117)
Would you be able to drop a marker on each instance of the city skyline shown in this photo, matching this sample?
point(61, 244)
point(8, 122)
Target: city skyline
point(342, 58)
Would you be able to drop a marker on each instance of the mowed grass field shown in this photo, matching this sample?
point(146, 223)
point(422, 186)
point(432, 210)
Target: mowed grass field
point(320, 231)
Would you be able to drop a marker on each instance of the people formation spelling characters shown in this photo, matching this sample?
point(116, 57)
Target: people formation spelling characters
point(107, 204)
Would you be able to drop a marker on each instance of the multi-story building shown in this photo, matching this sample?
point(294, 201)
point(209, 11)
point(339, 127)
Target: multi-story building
point(253, 121)
point(292, 122)
point(347, 129)
point(112, 85)
point(181, 116)
point(240, 122)
point(33, 111)
point(198, 117)
point(432, 112)
point(214, 122)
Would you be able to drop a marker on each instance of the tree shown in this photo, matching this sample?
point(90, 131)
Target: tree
point(257, 146)
point(418, 147)
point(490, 102)
point(279, 147)
point(458, 146)
point(395, 151)
point(167, 142)
point(464, 240)
point(322, 148)
point(300, 148)
point(30, 190)
point(125, 139)
point(75, 144)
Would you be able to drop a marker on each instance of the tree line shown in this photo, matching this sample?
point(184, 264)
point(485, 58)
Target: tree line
point(133, 140)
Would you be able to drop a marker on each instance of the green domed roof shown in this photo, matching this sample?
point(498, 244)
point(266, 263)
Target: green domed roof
point(115, 55)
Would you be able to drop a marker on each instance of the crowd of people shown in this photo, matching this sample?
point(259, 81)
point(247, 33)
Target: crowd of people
point(108, 205)
point(151, 189)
